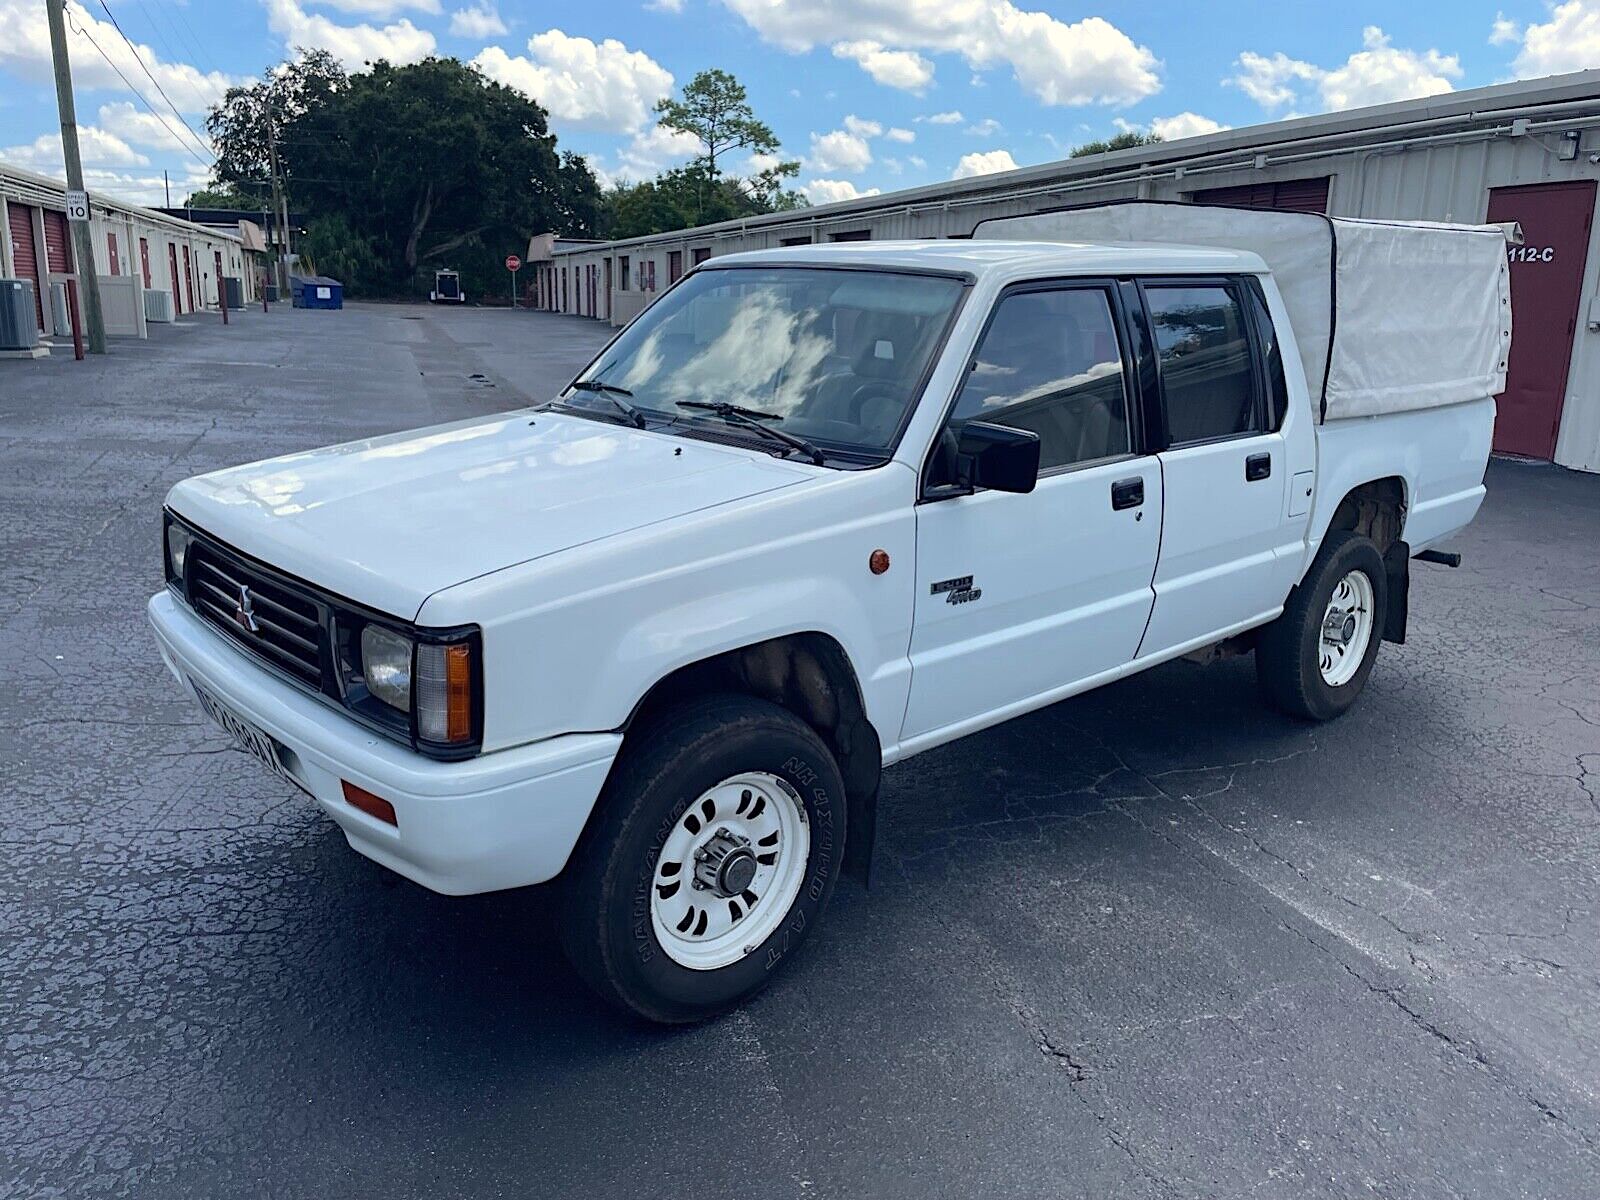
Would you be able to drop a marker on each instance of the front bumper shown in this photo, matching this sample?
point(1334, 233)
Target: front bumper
point(500, 820)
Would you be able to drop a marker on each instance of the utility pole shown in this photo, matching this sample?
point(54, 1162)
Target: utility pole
point(166, 185)
point(83, 241)
point(280, 205)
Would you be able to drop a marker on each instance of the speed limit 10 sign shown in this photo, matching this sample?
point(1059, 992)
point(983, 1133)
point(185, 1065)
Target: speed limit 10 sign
point(77, 206)
point(513, 262)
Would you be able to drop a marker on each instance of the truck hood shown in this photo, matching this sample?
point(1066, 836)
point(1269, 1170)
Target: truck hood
point(391, 520)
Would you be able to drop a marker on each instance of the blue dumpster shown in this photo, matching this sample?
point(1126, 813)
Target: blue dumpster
point(316, 291)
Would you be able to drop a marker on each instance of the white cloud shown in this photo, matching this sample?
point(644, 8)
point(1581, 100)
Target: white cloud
point(897, 134)
point(917, 161)
point(953, 117)
point(1568, 41)
point(477, 21)
point(863, 128)
point(985, 163)
point(602, 86)
point(831, 191)
point(1185, 124)
point(400, 42)
point(1088, 61)
point(25, 52)
point(903, 69)
point(666, 6)
point(839, 152)
point(95, 146)
point(381, 10)
point(1504, 31)
point(649, 153)
point(140, 128)
point(1378, 73)
point(987, 127)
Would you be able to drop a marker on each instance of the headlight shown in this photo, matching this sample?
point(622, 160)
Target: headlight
point(178, 540)
point(386, 666)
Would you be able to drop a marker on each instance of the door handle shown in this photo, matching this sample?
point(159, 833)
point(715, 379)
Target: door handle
point(1127, 493)
point(1257, 466)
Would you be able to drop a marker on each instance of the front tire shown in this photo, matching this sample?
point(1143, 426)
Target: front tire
point(713, 852)
point(1313, 661)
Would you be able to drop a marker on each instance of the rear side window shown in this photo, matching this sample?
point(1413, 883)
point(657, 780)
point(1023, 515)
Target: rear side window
point(1207, 374)
point(1050, 363)
point(1272, 358)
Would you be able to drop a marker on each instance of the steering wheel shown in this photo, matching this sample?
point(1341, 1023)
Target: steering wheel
point(863, 393)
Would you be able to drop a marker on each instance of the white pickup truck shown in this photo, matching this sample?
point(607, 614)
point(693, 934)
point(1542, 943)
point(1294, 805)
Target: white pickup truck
point(820, 509)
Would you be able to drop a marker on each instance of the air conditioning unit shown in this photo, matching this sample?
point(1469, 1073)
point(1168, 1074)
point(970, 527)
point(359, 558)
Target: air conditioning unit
point(158, 306)
point(19, 327)
point(58, 309)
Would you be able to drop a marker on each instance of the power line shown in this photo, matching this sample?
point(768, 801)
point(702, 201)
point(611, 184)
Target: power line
point(138, 95)
point(139, 58)
point(172, 54)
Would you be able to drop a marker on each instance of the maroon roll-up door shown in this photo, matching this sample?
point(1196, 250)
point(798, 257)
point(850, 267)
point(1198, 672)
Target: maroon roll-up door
point(1285, 195)
point(20, 219)
point(1546, 285)
point(111, 253)
point(57, 242)
point(188, 279)
point(172, 266)
point(144, 261)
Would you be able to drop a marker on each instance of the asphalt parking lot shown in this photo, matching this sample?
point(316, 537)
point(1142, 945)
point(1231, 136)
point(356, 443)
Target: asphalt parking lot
point(1153, 941)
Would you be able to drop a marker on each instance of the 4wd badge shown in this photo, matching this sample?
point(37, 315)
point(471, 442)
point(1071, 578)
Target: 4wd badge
point(956, 591)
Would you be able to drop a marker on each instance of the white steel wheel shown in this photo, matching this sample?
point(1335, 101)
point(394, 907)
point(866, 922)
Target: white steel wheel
point(729, 871)
point(1347, 626)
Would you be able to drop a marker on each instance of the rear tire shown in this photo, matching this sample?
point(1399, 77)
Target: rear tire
point(1313, 661)
point(712, 854)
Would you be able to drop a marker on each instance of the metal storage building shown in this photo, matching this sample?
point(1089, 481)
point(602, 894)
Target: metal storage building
point(1526, 152)
point(137, 251)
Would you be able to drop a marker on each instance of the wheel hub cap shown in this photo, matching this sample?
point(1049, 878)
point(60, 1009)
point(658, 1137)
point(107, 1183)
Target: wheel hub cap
point(725, 865)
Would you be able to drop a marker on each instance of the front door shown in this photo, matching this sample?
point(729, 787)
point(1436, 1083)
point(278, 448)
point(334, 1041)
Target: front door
point(1546, 283)
point(1224, 561)
point(1021, 598)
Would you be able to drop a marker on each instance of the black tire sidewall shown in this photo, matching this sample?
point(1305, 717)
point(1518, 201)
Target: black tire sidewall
point(675, 765)
point(1342, 552)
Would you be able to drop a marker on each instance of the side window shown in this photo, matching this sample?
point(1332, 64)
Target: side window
point(1272, 354)
point(1207, 377)
point(1050, 363)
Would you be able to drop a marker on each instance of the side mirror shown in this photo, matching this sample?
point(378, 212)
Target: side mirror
point(998, 457)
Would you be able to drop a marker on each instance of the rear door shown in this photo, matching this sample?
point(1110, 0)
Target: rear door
point(1021, 597)
point(1546, 284)
point(1224, 558)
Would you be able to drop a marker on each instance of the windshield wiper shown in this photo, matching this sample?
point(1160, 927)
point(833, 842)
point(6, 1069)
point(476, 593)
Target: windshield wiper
point(615, 394)
point(751, 418)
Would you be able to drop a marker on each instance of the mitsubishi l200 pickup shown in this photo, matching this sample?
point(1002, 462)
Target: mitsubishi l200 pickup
point(817, 510)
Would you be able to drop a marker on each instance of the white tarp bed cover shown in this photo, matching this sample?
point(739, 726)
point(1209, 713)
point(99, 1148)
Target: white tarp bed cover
point(1388, 315)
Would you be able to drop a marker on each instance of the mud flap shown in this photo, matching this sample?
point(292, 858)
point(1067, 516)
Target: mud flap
point(860, 833)
point(1397, 566)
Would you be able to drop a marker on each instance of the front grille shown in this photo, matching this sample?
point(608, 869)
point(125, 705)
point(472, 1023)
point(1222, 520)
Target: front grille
point(280, 623)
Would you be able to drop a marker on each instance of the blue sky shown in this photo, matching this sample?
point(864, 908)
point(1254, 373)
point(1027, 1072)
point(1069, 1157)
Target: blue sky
point(867, 94)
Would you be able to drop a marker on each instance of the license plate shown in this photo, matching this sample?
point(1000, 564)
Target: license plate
point(257, 742)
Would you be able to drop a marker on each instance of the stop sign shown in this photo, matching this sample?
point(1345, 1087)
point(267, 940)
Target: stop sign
point(512, 262)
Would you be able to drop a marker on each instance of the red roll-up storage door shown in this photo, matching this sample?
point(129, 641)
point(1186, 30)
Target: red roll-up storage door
point(57, 242)
point(20, 218)
point(1286, 195)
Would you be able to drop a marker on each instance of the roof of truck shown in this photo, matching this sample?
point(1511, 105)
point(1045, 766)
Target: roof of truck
point(979, 257)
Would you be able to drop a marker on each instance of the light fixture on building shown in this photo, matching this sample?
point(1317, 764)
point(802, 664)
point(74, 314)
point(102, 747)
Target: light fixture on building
point(1571, 141)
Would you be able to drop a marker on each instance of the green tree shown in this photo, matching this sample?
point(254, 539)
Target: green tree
point(289, 94)
point(225, 196)
point(1123, 141)
point(402, 169)
point(715, 109)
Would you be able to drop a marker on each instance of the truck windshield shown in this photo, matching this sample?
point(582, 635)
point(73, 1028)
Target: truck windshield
point(832, 357)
